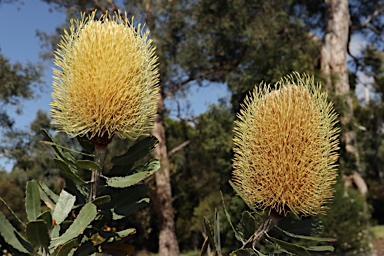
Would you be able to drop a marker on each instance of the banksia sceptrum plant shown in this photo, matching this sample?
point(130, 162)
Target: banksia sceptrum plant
point(106, 83)
point(285, 147)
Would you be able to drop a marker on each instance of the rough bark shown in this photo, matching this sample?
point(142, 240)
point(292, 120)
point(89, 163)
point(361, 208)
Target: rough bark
point(168, 245)
point(334, 67)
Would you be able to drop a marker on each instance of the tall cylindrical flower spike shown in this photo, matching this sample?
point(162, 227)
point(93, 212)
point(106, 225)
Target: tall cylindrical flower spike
point(285, 147)
point(106, 82)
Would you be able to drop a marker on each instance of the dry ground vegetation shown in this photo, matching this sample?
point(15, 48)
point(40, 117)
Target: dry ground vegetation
point(378, 240)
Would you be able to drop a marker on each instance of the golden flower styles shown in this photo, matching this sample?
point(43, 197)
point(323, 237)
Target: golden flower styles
point(285, 147)
point(106, 82)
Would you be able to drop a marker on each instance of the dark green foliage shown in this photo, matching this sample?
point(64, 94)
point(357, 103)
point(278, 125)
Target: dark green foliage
point(71, 224)
point(254, 227)
point(16, 81)
point(347, 221)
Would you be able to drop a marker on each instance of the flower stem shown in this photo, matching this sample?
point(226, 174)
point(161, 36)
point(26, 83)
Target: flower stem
point(95, 177)
point(259, 233)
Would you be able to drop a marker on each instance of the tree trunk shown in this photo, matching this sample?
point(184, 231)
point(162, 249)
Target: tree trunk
point(168, 245)
point(334, 66)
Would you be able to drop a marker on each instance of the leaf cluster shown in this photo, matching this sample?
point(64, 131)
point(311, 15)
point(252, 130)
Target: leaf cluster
point(254, 227)
point(72, 224)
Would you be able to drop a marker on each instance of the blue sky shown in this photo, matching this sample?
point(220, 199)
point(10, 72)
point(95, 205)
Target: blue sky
point(18, 42)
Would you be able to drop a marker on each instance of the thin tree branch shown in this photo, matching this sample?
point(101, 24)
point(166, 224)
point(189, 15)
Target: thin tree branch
point(227, 69)
point(97, 5)
point(190, 79)
point(179, 147)
point(368, 20)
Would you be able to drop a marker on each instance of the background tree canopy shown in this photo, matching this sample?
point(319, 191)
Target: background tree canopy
point(239, 43)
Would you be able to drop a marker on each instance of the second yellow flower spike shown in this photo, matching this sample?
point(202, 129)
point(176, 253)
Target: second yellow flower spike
point(285, 147)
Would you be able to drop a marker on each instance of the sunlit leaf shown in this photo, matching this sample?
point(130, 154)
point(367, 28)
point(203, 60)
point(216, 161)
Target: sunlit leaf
point(63, 207)
point(99, 201)
point(86, 215)
point(123, 182)
point(88, 165)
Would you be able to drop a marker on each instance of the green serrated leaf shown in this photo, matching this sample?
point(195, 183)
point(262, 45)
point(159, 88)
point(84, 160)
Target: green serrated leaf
point(245, 252)
point(86, 144)
point(69, 159)
point(305, 227)
point(52, 195)
point(102, 200)
point(47, 201)
point(101, 236)
point(237, 191)
point(86, 215)
point(60, 153)
point(288, 247)
point(88, 165)
point(21, 223)
point(151, 164)
point(47, 218)
point(68, 171)
point(120, 170)
point(55, 231)
point(12, 237)
point(313, 238)
point(210, 234)
point(32, 200)
point(63, 207)
point(37, 233)
point(50, 140)
point(126, 210)
point(124, 182)
point(126, 232)
point(66, 248)
point(81, 192)
point(128, 196)
point(237, 235)
point(86, 248)
point(136, 152)
point(216, 226)
point(247, 226)
point(321, 248)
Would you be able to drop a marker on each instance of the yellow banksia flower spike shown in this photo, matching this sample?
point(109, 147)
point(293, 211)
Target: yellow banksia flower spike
point(285, 148)
point(106, 80)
